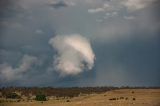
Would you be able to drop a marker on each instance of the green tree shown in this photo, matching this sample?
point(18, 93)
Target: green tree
point(40, 97)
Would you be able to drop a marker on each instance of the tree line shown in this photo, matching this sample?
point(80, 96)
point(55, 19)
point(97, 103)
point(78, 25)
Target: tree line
point(58, 92)
point(62, 91)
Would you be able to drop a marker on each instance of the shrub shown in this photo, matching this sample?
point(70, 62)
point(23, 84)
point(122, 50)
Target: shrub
point(112, 98)
point(68, 101)
point(12, 95)
point(40, 97)
point(134, 98)
point(121, 97)
point(18, 100)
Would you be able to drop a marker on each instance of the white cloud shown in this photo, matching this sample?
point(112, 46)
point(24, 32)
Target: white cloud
point(129, 17)
point(39, 31)
point(74, 54)
point(111, 14)
point(96, 10)
point(104, 7)
point(7, 72)
point(137, 4)
point(70, 3)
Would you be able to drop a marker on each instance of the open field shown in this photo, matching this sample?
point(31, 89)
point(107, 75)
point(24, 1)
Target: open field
point(119, 97)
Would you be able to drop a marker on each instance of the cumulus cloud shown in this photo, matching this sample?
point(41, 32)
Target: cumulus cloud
point(105, 7)
point(129, 17)
point(7, 72)
point(96, 10)
point(137, 4)
point(74, 54)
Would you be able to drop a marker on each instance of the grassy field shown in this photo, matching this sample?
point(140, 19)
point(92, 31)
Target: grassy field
point(121, 97)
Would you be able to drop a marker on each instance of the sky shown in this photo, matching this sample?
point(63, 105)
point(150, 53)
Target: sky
point(65, 43)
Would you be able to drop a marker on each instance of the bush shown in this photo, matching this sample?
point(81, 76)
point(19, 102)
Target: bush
point(68, 101)
point(12, 95)
point(18, 100)
point(126, 98)
point(121, 97)
point(41, 97)
point(112, 98)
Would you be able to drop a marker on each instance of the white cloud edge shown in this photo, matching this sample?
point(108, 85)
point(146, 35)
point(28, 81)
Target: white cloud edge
point(9, 73)
point(72, 50)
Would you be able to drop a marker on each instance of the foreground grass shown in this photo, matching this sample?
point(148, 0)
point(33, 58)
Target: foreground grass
point(121, 97)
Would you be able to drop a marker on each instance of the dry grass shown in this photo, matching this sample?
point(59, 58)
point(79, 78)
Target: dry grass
point(122, 97)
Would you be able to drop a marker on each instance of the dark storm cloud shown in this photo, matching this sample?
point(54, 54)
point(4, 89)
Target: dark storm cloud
point(126, 49)
point(155, 8)
point(58, 4)
point(132, 63)
point(106, 0)
point(4, 4)
point(8, 8)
